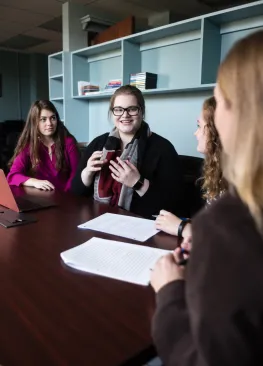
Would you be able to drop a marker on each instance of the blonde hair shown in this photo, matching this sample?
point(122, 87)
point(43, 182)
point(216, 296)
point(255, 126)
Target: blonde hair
point(240, 79)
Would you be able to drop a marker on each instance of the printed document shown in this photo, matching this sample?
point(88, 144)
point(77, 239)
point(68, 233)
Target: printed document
point(118, 260)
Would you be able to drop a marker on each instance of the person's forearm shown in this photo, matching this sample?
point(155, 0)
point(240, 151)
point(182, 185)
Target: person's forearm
point(187, 230)
point(86, 178)
point(29, 182)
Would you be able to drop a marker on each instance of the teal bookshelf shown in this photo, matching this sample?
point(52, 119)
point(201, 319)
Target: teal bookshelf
point(56, 82)
point(185, 56)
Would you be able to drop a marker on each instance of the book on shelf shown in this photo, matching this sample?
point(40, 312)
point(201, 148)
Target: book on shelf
point(114, 84)
point(85, 87)
point(144, 80)
point(144, 74)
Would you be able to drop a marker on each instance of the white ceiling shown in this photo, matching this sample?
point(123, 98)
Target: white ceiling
point(26, 17)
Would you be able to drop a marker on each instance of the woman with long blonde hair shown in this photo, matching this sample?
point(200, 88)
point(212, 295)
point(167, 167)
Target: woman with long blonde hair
point(212, 314)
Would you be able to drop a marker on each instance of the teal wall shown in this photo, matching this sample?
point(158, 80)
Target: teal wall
point(9, 102)
point(24, 79)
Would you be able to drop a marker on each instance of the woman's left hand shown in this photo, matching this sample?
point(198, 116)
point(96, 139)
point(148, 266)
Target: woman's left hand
point(124, 172)
point(167, 270)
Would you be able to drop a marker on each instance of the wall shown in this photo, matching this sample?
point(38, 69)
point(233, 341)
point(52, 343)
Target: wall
point(9, 102)
point(24, 79)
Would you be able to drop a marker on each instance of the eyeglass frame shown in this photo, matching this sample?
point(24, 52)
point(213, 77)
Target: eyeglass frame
point(126, 110)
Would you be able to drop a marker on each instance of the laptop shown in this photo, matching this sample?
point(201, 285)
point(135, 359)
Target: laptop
point(20, 204)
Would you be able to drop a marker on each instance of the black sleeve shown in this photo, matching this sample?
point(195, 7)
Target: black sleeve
point(77, 186)
point(166, 183)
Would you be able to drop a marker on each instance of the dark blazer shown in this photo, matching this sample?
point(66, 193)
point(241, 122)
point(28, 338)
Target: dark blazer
point(215, 317)
point(160, 165)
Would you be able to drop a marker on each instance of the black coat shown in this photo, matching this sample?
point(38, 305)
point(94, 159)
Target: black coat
point(160, 165)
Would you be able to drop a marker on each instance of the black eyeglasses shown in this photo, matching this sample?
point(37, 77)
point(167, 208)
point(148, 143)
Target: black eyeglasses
point(132, 111)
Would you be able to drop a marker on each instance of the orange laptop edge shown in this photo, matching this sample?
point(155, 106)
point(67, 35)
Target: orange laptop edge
point(7, 198)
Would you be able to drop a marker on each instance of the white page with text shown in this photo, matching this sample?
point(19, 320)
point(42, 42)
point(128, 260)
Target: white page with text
point(118, 260)
point(126, 226)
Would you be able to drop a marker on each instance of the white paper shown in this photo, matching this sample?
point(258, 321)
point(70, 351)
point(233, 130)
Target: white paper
point(122, 261)
point(126, 226)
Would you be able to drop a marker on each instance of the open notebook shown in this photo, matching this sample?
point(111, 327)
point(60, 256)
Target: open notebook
point(114, 259)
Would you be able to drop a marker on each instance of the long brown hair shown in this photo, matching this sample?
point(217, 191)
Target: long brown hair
point(213, 183)
point(129, 90)
point(240, 80)
point(30, 136)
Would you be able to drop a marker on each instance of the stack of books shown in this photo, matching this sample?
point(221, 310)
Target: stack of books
point(90, 88)
point(144, 80)
point(113, 84)
point(85, 87)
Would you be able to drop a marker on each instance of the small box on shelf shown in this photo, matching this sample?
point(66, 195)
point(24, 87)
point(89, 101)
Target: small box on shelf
point(144, 80)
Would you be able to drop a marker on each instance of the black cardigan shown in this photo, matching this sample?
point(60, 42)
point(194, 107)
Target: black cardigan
point(160, 165)
point(215, 317)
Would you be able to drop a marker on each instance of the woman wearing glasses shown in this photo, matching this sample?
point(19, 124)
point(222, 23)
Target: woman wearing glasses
point(130, 167)
point(46, 156)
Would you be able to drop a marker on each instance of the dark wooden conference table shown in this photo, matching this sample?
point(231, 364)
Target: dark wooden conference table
point(53, 315)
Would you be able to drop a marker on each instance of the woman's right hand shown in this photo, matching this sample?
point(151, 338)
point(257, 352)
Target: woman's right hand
point(94, 165)
point(45, 185)
point(167, 222)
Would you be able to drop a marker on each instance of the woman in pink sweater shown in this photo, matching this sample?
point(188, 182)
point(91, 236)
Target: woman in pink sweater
point(46, 156)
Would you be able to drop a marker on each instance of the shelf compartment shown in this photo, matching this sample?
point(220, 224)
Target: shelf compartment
point(218, 38)
point(56, 88)
point(97, 68)
point(155, 57)
point(55, 64)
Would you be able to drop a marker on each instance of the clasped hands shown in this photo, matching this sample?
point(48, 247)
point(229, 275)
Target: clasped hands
point(122, 171)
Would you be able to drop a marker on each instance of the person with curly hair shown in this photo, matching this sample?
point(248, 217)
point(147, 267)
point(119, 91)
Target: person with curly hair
point(213, 185)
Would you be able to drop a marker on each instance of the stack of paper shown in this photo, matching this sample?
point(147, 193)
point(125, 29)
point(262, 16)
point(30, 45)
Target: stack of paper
point(126, 226)
point(122, 261)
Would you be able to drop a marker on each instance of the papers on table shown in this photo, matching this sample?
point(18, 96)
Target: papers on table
point(126, 226)
point(122, 261)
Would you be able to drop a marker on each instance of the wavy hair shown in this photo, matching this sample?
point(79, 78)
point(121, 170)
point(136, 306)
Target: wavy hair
point(213, 183)
point(30, 136)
